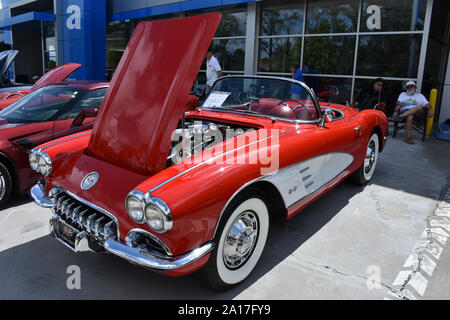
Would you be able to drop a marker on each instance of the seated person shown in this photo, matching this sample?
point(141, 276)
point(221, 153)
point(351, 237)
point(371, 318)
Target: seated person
point(372, 96)
point(410, 103)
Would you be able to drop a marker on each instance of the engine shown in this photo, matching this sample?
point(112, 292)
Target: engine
point(196, 135)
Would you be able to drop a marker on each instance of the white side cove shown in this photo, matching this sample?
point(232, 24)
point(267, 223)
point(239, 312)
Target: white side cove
point(300, 180)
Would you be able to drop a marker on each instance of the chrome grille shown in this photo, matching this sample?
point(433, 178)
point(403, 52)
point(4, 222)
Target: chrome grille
point(84, 218)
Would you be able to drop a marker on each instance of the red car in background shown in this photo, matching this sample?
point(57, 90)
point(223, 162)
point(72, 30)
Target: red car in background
point(55, 75)
point(43, 115)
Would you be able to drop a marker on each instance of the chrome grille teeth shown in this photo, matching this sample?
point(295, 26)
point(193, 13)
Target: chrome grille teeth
point(99, 227)
point(90, 227)
point(109, 233)
point(81, 216)
point(82, 219)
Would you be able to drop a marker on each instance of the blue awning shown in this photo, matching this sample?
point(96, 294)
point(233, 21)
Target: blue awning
point(26, 17)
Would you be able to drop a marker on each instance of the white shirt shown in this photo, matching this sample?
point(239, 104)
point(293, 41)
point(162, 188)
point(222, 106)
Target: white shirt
point(212, 68)
point(413, 101)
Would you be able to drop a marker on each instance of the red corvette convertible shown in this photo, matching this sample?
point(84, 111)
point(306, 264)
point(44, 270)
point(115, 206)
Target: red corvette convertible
point(177, 195)
point(45, 114)
point(55, 75)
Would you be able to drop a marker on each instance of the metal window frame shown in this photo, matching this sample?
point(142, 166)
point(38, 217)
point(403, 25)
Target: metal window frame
point(353, 77)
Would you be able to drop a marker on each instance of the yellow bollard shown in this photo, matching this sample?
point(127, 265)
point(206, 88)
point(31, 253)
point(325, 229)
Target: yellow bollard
point(433, 99)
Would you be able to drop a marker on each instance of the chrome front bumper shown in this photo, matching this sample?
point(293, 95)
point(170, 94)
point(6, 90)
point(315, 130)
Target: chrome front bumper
point(83, 242)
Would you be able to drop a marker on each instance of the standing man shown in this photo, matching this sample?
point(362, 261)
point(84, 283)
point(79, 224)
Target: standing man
point(297, 74)
point(410, 103)
point(213, 70)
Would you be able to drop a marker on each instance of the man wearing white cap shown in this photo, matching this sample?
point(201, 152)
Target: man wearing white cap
point(410, 103)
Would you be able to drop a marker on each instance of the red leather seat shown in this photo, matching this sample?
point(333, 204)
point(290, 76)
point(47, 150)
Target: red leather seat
point(306, 113)
point(273, 109)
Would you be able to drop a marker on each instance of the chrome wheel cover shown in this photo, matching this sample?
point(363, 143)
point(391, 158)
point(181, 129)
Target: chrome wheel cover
point(240, 240)
point(371, 156)
point(2, 186)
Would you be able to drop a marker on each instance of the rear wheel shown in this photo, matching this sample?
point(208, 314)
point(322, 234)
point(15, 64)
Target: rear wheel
point(240, 241)
point(365, 173)
point(5, 185)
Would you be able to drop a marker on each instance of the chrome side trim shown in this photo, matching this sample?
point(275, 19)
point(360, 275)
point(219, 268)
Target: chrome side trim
point(148, 194)
point(63, 140)
point(134, 256)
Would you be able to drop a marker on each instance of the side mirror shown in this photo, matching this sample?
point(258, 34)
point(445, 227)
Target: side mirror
point(327, 115)
point(85, 113)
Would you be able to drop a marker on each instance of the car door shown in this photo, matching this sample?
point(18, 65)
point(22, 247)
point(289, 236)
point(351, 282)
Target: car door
point(343, 135)
point(92, 99)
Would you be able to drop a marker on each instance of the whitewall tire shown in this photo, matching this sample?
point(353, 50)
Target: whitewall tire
point(365, 173)
point(240, 241)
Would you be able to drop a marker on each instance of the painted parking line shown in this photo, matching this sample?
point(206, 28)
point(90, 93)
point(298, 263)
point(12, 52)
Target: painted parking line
point(412, 282)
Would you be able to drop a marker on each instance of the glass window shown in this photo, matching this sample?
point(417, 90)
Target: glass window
point(398, 15)
point(332, 16)
point(50, 45)
point(233, 24)
point(278, 54)
point(284, 19)
point(45, 104)
point(389, 55)
point(262, 96)
point(230, 53)
point(92, 99)
point(334, 90)
point(329, 55)
point(391, 91)
point(117, 37)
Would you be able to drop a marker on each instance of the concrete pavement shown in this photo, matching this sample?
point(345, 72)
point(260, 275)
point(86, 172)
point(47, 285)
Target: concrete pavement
point(387, 240)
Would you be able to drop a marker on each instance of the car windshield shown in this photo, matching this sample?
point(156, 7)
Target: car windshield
point(46, 104)
point(272, 97)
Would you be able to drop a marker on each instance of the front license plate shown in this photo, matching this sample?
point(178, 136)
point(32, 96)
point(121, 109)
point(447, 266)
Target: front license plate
point(66, 233)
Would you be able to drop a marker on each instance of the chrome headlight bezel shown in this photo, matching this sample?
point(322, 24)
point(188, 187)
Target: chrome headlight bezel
point(40, 162)
point(139, 205)
point(159, 220)
point(160, 214)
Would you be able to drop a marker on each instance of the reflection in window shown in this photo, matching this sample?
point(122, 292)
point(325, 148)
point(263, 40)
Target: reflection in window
point(230, 53)
point(398, 15)
point(233, 24)
point(332, 16)
point(329, 55)
point(334, 90)
point(117, 37)
point(389, 55)
point(391, 92)
point(284, 19)
point(278, 54)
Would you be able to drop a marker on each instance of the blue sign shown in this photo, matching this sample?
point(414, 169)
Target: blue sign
point(82, 24)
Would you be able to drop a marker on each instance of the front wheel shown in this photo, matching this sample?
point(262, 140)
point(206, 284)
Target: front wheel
point(5, 185)
point(365, 173)
point(240, 241)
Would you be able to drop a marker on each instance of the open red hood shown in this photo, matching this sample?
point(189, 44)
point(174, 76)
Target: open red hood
point(56, 75)
point(148, 91)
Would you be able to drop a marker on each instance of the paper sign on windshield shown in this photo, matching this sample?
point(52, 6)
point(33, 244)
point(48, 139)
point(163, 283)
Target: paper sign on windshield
point(216, 99)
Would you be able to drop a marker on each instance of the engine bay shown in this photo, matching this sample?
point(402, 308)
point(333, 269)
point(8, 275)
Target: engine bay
point(195, 135)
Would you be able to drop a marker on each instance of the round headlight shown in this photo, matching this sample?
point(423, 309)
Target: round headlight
point(155, 217)
point(44, 164)
point(33, 161)
point(41, 165)
point(135, 209)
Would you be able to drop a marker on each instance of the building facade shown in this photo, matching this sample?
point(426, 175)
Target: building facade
point(340, 45)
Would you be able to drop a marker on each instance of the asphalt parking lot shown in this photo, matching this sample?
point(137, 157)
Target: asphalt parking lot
point(387, 240)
